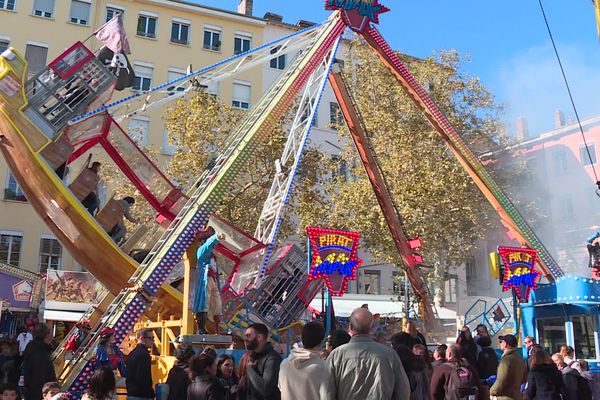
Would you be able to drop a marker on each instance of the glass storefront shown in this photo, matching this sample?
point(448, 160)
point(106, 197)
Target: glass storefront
point(552, 333)
point(583, 333)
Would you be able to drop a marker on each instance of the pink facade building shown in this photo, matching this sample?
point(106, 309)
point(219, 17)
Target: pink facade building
point(562, 184)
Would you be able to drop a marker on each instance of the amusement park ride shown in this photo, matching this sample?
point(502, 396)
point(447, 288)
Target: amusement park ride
point(64, 111)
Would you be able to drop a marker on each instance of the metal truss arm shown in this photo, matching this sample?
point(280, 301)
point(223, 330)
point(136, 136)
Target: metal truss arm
point(359, 134)
point(287, 165)
point(490, 189)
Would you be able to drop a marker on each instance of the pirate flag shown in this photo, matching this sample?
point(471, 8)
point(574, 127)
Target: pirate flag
point(118, 64)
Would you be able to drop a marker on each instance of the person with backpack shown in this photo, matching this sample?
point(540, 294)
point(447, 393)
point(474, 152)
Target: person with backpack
point(455, 379)
point(512, 371)
point(576, 386)
point(487, 363)
point(487, 360)
point(544, 381)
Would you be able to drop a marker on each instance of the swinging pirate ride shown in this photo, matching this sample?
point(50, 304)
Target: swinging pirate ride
point(43, 128)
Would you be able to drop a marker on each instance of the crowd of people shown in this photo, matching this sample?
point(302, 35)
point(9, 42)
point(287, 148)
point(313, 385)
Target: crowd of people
point(359, 364)
point(355, 364)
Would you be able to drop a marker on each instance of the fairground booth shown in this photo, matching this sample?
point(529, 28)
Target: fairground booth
point(565, 312)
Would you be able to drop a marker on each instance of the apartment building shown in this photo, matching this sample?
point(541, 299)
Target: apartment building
point(561, 185)
point(165, 37)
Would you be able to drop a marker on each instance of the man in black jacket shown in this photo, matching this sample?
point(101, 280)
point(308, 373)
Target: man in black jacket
point(139, 374)
point(37, 362)
point(263, 367)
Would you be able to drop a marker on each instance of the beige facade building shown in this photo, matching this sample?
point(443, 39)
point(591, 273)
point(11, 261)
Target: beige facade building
point(165, 37)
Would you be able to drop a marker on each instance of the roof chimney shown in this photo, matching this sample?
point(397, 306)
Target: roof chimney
point(559, 118)
point(245, 7)
point(522, 130)
point(273, 17)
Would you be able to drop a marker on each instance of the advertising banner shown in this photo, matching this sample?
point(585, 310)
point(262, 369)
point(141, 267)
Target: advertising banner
point(71, 291)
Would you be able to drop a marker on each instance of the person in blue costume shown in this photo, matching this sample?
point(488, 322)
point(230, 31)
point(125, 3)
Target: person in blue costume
point(109, 354)
point(207, 300)
point(593, 247)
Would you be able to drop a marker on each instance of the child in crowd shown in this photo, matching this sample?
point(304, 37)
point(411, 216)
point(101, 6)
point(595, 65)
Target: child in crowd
point(9, 392)
point(51, 391)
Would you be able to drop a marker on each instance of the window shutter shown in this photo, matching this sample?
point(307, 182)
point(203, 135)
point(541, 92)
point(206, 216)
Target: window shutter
point(36, 57)
point(241, 92)
point(44, 5)
point(143, 71)
point(80, 10)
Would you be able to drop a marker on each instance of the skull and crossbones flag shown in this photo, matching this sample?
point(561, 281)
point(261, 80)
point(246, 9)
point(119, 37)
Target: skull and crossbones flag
point(118, 64)
point(113, 54)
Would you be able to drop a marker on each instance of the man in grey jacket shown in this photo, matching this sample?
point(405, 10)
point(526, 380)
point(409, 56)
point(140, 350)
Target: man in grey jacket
point(364, 369)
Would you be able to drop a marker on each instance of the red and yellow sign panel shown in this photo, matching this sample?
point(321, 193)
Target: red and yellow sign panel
point(519, 271)
point(333, 257)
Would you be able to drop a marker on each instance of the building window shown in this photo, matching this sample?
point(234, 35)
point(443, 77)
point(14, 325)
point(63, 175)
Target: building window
point(277, 62)
point(143, 76)
point(10, 248)
point(585, 157)
point(174, 74)
point(212, 39)
point(36, 56)
point(112, 12)
point(241, 44)
point(213, 88)
point(451, 289)
point(43, 8)
point(552, 333)
point(4, 44)
point(180, 33)
point(241, 95)
point(372, 282)
point(80, 12)
point(471, 269)
point(306, 114)
point(565, 206)
point(7, 5)
point(559, 161)
point(50, 254)
point(398, 284)
point(13, 190)
point(146, 26)
point(138, 130)
point(583, 334)
point(339, 62)
point(336, 118)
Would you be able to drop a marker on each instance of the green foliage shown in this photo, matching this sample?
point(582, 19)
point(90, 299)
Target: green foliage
point(435, 196)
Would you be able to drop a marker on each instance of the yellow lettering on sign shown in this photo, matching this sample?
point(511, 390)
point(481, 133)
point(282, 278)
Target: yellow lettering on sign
point(519, 257)
point(334, 240)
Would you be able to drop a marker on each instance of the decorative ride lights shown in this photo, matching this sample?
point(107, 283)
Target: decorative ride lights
point(519, 271)
point(357, 14)
point(333, 257)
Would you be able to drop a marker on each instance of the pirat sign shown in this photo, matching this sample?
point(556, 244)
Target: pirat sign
point(333, 257)
point(519, 271)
